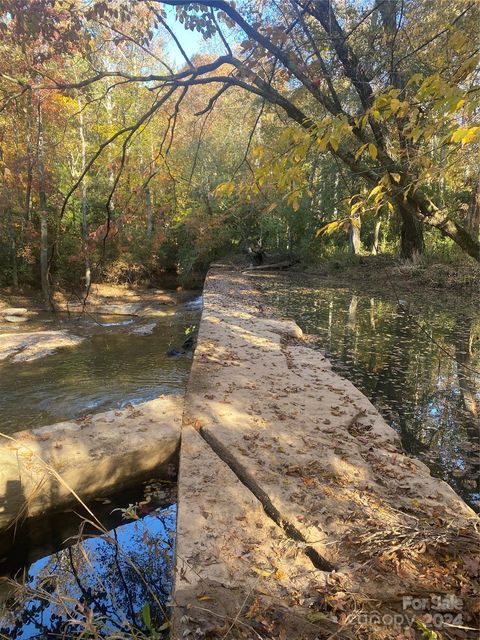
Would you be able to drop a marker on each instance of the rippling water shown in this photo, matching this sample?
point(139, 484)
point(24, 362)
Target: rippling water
point(417, 360)
point(110, 368)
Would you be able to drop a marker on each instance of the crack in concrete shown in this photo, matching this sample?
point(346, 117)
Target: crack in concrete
point(272, 512)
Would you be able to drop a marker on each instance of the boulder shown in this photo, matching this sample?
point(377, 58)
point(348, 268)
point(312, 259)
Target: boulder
point(24, 347)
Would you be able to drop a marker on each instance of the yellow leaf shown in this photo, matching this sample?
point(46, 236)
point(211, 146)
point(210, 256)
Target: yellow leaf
point(373, 151)
point(354, 222)
point(395, 105)
point(262, 572)
point(468, 66)
point(323, 143)
point(165, 626)
point(226, 188)
point(458, 135)
point(334, 143)
point(356, 207)
point(360, 151)
point(415, 79)
point(396, 176)
point(471, 136)
point(331, 227)
point(258, 151)
point(416, 133)
point(376, 191)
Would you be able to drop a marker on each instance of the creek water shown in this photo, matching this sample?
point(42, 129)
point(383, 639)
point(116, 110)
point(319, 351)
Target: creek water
point(416, 359)
point(67, 571)
point(113, 366)
point(66, 568)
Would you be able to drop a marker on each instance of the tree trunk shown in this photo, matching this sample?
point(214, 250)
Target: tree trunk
point(354, 240)
point(149, 207)
point(83, 198)
point(376, 238)
point(111, 172)
point(411, 236)
point(473, 214)
point(43, 213)
point(13, 247)
point(29, 148)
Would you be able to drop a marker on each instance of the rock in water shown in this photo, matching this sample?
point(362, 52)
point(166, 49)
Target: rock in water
point(145, 329)
point(14, 311)
point(174, 353)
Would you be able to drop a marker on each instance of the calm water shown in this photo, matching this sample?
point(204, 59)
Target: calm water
point(417, 361)
point(109, 369)
point(122, 577)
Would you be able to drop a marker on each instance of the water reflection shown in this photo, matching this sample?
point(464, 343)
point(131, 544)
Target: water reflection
point(417, 362)
point(117, 582)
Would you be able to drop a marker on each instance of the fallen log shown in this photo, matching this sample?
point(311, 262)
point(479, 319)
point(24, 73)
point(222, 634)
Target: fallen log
point(285, 264)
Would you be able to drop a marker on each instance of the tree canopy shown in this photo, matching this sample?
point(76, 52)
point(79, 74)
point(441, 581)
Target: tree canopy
point(295, 121)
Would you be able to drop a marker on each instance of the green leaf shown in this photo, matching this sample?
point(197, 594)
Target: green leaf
point(316, 616)
point(146, 616)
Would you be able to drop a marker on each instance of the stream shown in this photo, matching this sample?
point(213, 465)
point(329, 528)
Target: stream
point(416, 359)
point(112, 367)
point(121, 570)
point(66, 565)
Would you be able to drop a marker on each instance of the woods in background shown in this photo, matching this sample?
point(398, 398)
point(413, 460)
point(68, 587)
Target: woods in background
point(308, 127)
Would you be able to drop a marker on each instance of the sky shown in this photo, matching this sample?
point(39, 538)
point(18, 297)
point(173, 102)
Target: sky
point(191, 41)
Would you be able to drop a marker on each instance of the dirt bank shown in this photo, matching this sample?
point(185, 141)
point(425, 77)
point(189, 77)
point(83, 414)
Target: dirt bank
point(105, 299)
point(393, 277)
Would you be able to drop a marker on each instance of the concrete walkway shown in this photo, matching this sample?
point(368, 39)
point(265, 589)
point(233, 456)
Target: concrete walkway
point(299, 515)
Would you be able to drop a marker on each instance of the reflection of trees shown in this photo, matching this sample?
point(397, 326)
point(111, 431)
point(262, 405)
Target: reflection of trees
point(401, 363)
point(468, 386)
point(393, 382)
point(113, 576)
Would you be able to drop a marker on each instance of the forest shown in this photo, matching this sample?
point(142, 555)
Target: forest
point(142, 137)
point(239, 319)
